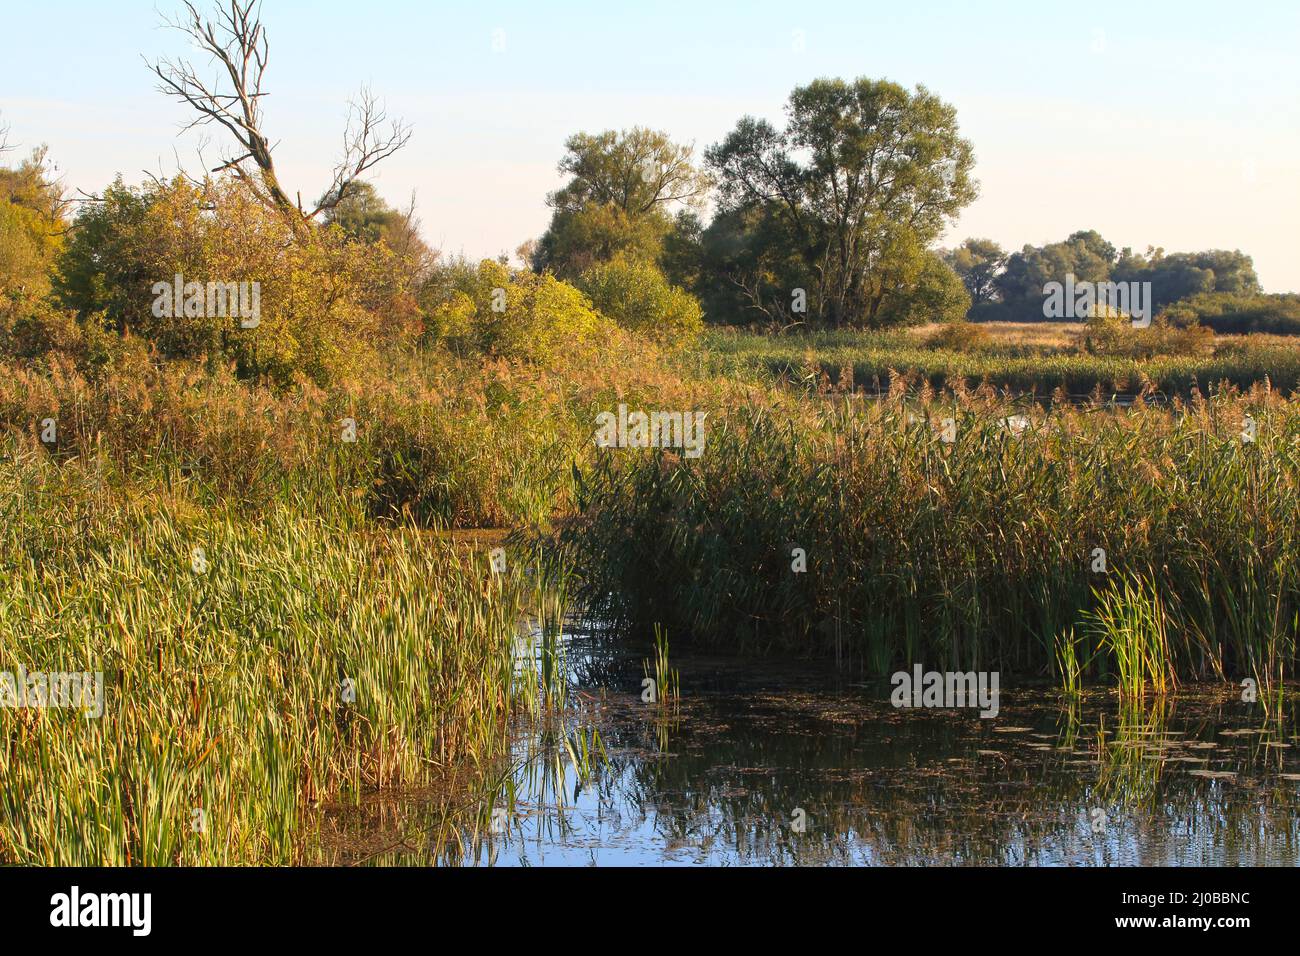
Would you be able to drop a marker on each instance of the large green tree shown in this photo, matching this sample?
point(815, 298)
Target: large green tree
point(863, 179)
point(1182, 275)
point(619, 200)
point(1085, 255)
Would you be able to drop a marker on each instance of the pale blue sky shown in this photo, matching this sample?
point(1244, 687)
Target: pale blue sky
point(1167, 123)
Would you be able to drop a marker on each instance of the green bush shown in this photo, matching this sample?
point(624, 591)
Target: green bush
point(635, 294)
point(505, 314)
point(35, 331)
point(960, 336)
point(925, 289)
point(1111, 335)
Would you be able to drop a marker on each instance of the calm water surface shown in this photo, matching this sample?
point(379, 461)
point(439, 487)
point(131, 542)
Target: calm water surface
point(1197, 779)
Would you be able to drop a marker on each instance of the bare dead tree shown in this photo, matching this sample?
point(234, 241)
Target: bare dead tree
point(236, 42)
point(4, 138)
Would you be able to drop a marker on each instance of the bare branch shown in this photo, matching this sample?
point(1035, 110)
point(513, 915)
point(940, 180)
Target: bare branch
point(366, 142)
point(236, 44)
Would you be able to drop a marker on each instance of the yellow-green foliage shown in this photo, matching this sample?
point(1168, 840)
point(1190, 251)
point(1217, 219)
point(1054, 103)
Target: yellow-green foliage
point(440, 439)
point(35, 332)
point(636, 295)
point(514, 314)
point(917, 286)
point(31, 226)
point(324, 299)
point(580, 238)
point(959, 336)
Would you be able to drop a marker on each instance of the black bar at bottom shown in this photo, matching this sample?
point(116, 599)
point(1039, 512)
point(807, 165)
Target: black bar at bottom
point(368, 906)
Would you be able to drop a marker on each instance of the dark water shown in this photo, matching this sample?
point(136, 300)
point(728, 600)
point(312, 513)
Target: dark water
point(1200, 778)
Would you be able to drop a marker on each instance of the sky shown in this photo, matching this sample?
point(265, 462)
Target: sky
point(1173, 124)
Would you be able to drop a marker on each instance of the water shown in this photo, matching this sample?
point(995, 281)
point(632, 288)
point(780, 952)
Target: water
point(719, 779)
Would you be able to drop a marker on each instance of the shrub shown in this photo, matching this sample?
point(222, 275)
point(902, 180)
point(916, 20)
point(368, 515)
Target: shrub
point(31, 227)
point(1114, 336)
point(960, 336)
point(497, 312)
point(635, 294)
point(321, 294)
point(33, 330)
point(925, 289)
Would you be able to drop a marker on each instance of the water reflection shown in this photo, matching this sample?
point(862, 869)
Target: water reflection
point(719, 778)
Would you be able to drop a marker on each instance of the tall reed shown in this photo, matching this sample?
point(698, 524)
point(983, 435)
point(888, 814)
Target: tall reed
point(974, 552)
point(299, 662)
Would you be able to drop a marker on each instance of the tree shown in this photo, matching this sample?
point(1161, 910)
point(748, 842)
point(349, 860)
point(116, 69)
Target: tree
point(862, 170)
point(578, 239)
point(619, 199)
point(1090, 258)
point(920, 287)
point(237, 43)
point(363, 215)
point(637, 171)
point(754, 267)
point(1183, 275)
point(978, 262)
point(32, 224)
point(682, 256)
point(1085, 255)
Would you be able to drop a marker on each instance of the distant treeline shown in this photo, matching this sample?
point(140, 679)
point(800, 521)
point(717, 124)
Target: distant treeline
point(1217, 288)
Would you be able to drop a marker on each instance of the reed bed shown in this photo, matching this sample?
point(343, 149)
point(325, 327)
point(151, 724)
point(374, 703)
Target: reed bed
point(433, 441)
point(876, 361)
point(429, 439)
point(981, 552)
point(326, 646)
point(300, 662)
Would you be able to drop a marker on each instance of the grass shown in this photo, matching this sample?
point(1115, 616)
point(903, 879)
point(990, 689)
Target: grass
point(1015, 361)
point(1130, 622)
point(970, 554)
point(435, 442)
point(1069, 669)
point(326, 573)
point(666, 682)
point(227, 689)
